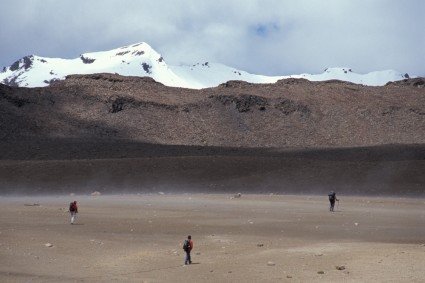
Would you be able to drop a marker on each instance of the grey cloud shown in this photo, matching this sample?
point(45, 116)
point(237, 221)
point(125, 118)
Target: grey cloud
point(266, 37)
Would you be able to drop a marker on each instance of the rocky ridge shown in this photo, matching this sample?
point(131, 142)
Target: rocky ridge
point(289, 113)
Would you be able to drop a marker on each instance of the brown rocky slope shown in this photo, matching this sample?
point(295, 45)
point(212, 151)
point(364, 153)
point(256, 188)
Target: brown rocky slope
point(113, 133)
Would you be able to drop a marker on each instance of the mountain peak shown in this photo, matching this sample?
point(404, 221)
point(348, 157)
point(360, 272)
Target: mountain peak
point(138, 49)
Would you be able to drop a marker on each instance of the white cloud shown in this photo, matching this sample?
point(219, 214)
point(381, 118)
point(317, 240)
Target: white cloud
point(264, 36)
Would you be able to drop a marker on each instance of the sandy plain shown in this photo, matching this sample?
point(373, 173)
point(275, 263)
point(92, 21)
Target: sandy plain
point(254, 238)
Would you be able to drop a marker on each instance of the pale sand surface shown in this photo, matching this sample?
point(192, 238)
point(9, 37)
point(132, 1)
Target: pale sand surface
point(255, 238)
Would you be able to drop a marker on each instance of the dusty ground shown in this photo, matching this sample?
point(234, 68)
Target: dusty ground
point(255, 238)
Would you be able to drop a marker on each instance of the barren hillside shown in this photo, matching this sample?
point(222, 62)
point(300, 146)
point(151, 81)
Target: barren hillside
point(112, 133)
point(290, 113)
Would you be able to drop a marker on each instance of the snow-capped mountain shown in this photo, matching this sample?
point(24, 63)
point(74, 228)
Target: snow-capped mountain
point(346, 74)
point(141, 60)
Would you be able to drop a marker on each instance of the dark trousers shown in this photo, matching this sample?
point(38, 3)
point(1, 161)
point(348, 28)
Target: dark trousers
point(331, 208)
point(188, 260)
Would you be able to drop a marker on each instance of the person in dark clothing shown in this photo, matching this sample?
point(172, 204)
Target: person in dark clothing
point(332, 199)
point(187, 247)
point(73, 209)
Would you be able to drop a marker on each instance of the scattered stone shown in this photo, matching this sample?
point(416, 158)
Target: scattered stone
point(340, 267)
point(260, 245)
point(288, 276)
point(320, 272)
point(48, 245)
point(356, 224)
point(161, 193)
point(318, 254)
point(96, 193)
point(238, 195)
point(72, 195)
point(271, 263)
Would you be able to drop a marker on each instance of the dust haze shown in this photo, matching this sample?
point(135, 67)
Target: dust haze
point(375, 171)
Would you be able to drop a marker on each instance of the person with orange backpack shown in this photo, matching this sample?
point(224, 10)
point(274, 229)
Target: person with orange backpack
point(73, 209)
point(187, 247)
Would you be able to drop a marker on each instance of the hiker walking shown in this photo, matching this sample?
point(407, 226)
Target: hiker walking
point(332, 199)
point(73, 209)
point(187, 247)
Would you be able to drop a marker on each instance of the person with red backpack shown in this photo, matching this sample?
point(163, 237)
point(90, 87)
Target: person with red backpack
point(73, 209)
point(187, 247)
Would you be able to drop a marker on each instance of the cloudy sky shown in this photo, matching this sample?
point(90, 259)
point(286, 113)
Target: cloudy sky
point(270, 37)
